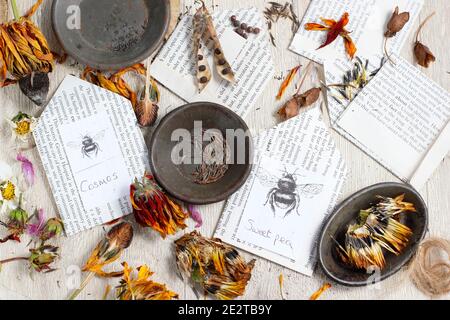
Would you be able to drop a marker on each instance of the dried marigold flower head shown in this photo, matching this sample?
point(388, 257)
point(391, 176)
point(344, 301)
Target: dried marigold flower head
point(154, 209)
point(109, 249)
point(213, 265)
point(24, 52)
point(396, 23)
point(141, 288)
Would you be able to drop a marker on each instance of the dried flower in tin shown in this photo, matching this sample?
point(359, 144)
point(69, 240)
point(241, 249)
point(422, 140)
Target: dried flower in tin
point(22, 125)
point(293, 106)
point(377, 229)
point(25, 55)
point(213, 265)
point(108, 250)
point(17, 222)
point(154, 209)
point(40, 258)
point(423, 54)
point(204, 28)
point(335, 29)
point(115, 81)
point(141, 288)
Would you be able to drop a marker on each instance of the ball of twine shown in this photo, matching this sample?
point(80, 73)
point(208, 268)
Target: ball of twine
point(430, 270)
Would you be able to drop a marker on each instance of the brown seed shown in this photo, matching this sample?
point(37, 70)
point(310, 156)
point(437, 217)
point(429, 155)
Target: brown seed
point(203, 79)
point(236, 23)
point(222, 62)
point(243, 26)
point(202, 68)
point(249, 29)
point(226, 71)
point(217, 51)
point(233, 18)
point(245, 35)
point(256, 30)
point(200, 57)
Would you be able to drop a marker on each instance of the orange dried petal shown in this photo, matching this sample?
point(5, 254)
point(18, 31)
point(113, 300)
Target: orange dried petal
point(349, 46)
point(311, 26)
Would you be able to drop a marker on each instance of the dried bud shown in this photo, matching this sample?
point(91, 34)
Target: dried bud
point(121, 235)
point(42, 257)
point(53, 228)
point(423, 55)
point(396, 23)
point(293, 106)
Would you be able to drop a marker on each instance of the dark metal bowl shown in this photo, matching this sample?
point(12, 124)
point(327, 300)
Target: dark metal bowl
point(177, 179)
point(347, 211)
point(112, 34)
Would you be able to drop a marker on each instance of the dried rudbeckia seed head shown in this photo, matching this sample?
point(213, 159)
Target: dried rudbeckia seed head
point(214, 266)
point(396, 23)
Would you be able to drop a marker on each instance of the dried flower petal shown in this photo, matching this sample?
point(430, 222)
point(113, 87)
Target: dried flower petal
point(154, 209)
point(213, 265)
point(319, 292)
point(35, 229)
point(195, 215)
point(396, 23)
point(141, 288)
point(27, 168)
point(287, 81)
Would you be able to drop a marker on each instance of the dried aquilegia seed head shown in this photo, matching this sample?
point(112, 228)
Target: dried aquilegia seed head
point(154, 209)
point(217, 268)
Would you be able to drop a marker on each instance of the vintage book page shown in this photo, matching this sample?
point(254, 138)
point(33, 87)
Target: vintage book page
point(250, 59)
point(303, 144)
point(91, 149)
point(400, 119)
point(367, 24)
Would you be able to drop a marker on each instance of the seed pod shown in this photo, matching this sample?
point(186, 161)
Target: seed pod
point(423, 55)
point(203, 70)
point(396, 23)
point(292, 107)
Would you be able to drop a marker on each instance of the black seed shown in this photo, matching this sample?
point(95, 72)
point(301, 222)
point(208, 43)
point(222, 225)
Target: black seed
point(256, 30)
point(233, 18)
point(202, 68)
point(249, 29)
point(222, 62)
point(226, 71)
point(199, 45)
point(236, 23)
point(217, 51)
point(243, 26)
point(200, 57)
point(203, 79)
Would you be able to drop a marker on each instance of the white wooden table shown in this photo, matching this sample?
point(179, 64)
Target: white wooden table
point(149, 248)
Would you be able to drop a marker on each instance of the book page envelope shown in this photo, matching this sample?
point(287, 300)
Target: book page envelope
point(92, 149)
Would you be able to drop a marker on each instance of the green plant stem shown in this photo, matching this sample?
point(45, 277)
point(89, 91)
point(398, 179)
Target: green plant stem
point(15, 9)
point(82, 286)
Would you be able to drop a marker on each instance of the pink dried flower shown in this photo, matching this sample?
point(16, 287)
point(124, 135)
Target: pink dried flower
point(195, 215)
point(27, 168)
point(35, 229)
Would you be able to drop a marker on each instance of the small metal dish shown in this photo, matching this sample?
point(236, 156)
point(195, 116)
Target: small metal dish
point(110, 34)
point(346, 212)
point(177, 179)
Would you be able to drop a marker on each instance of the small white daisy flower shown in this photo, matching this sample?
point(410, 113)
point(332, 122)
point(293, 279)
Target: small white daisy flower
point(22, 125)
point(9, 193)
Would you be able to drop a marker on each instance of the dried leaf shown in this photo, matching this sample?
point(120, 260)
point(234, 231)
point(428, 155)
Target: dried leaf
point(396, 23)
point(287, 81)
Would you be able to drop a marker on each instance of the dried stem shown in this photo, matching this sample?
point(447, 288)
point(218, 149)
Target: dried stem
point(82, 286)
point(307, 69)
point(13, 259)
point(15, 9)
point(422, 24)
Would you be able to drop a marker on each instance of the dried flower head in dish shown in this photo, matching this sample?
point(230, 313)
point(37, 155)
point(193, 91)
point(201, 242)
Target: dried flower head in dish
point(153, 208)
point(204, 28)
point(212, 265)
point(25, 56)
point(376, 231)
point(141, 287)
point(334, 29)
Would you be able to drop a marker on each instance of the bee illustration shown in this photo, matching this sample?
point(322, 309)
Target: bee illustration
point(285, 192)
point(89, 145)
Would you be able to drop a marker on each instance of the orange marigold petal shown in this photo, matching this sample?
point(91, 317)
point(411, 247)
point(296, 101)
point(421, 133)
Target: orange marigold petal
point(315, 26)
point(349, 46)
point(328, 22)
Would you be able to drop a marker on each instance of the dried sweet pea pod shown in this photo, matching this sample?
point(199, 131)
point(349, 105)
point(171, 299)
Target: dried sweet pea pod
point(204, 28)
point(423, 54)
point(394, 25)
